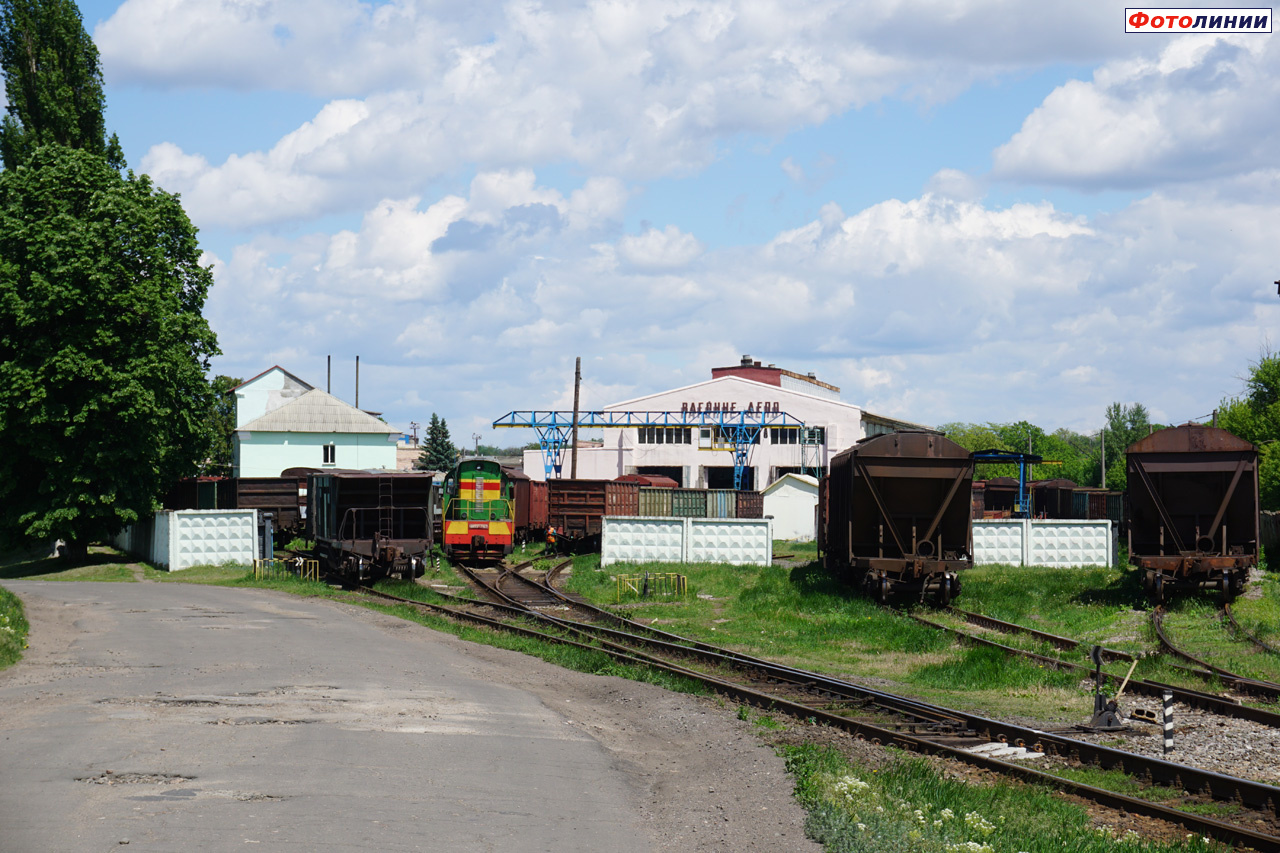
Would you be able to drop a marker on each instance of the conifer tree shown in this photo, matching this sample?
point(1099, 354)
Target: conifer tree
point(438, 453)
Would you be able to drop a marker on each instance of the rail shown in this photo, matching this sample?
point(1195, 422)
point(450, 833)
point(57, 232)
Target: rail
point(1256, 795)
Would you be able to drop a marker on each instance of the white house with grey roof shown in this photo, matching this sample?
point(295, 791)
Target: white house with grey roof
point(283, 422)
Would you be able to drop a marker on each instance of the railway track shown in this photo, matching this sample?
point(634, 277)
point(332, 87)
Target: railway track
point(869, 714)
point(1254, 687)
point(1202, 700)
point(1239, 630)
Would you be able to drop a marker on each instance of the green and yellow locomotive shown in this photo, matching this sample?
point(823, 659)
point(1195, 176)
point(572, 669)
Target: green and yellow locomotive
point(478, 514)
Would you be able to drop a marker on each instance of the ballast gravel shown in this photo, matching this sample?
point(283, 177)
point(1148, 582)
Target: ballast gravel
point(1201, 739)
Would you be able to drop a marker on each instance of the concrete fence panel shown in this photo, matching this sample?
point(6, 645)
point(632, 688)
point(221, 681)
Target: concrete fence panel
point(740, 541)
point(186, 538)
point(1050, 542)
point(642, 540)
point(737, 541)
point(213, 537)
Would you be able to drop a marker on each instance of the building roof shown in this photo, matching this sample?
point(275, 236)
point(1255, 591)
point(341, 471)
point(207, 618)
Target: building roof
point(811, 482)
point(268, 370)
point(316, 411)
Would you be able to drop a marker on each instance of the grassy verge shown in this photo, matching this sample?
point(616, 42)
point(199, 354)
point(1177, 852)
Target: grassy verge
point(905, 804)
point(799, 615)
point(103, 564)
point(13, 629)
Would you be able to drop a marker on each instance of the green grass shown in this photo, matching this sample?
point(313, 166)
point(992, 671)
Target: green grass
point(1192, 624)
point(13, 629)
point(103, 564)
point(802, 617)
point(905, 804)
point(1261, 615)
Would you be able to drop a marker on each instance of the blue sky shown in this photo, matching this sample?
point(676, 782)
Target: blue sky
point(952, 210)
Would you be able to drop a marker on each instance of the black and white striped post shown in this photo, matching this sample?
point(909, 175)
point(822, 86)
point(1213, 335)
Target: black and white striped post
point(1167, 713)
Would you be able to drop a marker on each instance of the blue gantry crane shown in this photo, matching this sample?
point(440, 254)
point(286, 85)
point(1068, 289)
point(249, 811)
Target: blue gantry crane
point(1022, 507)
point(736, 430)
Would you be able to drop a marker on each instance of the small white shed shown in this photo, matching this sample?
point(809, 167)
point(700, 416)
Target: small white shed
point(791, 500)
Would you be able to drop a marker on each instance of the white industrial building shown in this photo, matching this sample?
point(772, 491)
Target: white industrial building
point(696, 458)
point(283, 422)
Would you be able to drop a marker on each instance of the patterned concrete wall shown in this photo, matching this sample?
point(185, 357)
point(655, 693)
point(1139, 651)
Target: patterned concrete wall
point(1054, 542)
point(642, 540)
point(999, 542)
point(180, 540)
point(213, 537)
point(738, 541)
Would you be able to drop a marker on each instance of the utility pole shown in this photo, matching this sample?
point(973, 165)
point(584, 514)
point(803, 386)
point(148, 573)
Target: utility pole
point(413, 428)
point(475, 436)
point(1103, 434)
point(357, 382)
point(577, 384)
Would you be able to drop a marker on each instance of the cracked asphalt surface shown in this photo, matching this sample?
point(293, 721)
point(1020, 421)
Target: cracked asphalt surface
point(181, 717)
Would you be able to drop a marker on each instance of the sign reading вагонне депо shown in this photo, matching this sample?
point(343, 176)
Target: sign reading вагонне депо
point(731, 408)
point(1197, 20)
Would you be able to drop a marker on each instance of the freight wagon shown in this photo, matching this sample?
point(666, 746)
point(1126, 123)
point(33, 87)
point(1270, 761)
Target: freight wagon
point(370, 525)
point(1193, 510)
point(898, 515)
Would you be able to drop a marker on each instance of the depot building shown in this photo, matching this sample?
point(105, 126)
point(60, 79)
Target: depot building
point(701, 457)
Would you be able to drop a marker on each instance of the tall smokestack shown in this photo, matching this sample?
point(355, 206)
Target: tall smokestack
point(357, 382)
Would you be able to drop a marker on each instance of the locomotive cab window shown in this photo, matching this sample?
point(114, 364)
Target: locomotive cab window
point(330, 454)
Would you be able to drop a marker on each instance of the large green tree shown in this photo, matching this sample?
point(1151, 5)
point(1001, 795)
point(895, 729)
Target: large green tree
point(1255, 417)
point(103, 349)
point(438, 452)
point(52, 82)
point(222, 427)
point(1125, 425)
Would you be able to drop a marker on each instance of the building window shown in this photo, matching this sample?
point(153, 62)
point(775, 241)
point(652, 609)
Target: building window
point(330, 454)
point(815, 435)
point(664, 435)
point(784, 436)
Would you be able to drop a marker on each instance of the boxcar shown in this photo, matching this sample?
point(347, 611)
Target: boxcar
point(898, 515)
point(369, 525)
point(575, 509)
point(1193, 510)
point(530, 497)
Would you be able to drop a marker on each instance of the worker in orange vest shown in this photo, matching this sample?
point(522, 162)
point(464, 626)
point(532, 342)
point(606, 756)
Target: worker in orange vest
point(551, 540)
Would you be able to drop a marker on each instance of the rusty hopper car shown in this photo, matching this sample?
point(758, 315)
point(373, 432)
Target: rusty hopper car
point(369, 525)
point(1193, 510)
point(898, 515)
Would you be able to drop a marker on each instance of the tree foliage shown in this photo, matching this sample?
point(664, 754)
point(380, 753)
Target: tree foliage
point(103, 348)
point(52, 82)
point(222, 427)
point(438, 452)
point(1255, 417)
point(1125, 425)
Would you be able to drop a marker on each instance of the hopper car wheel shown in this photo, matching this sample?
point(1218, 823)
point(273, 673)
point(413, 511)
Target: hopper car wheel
point(1157, 589)
point(944, 591)
point(882, 591)
point(1227, 587)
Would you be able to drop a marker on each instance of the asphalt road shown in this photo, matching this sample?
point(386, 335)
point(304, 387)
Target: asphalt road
point(177, 717)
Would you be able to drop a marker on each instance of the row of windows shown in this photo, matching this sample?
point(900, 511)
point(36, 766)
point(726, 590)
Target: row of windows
point(684, 435)
point(665, 435)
